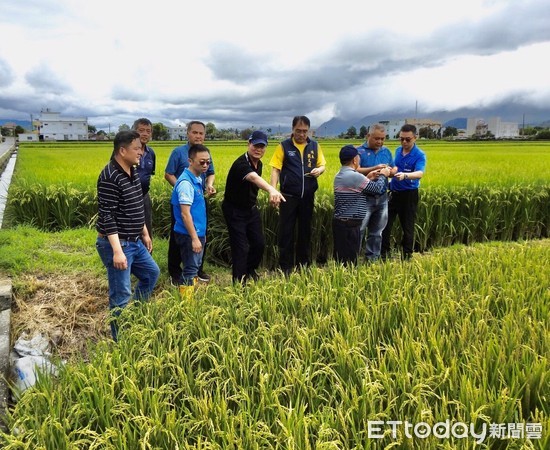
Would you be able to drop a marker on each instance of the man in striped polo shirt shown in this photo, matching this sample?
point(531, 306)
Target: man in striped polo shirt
point(350, 203)
point(123, 242)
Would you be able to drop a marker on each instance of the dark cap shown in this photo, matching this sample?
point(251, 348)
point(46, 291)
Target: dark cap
point(258, 137)
point(348, 152)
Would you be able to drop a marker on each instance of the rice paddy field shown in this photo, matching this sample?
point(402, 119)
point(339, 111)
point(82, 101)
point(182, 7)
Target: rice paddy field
point(450, 350)
point(471, 192)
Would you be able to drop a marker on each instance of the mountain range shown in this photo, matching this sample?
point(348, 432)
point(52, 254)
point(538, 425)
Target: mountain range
point(457, 118)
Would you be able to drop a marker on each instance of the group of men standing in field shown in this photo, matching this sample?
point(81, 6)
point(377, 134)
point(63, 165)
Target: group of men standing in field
point(362, 202)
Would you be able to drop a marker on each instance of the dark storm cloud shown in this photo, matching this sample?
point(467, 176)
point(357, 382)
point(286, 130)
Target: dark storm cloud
point(357, 63)
point(45, 80)
point(229, 62)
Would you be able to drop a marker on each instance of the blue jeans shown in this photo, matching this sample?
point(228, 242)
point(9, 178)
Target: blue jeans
point(191, 261)
point(375, 220)
point(140, 264)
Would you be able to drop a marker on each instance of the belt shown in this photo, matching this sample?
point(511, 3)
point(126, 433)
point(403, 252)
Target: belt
point(350, 222)
point(121, 238)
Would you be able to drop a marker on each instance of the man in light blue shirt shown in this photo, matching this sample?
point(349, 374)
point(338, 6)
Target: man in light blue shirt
point(374, 157)
point(189, 210)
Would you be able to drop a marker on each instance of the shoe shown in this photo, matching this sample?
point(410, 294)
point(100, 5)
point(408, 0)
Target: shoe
point(174, 281)
point(203, 276)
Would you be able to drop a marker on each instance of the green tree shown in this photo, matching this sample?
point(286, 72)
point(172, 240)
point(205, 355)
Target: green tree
point(19, 130)
point(245, 134)
point(211, 131)
point(528, 131)
point(544, 134)
point(351, 133)
point(363, 132)
point(426, 133)
point(123, 127)
point(5, 131)
point(92, 129)
point(160, 132)
point(450, 131)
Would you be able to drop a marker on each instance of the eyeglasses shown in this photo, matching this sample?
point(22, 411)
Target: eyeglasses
point(204, 162)
point(297, 131)
point(406, 139)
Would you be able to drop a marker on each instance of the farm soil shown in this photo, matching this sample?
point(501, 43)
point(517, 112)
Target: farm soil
point(71, 312)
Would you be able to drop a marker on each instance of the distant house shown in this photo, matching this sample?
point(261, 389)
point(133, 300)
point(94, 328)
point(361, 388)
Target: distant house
point(53, 127)
point(477, 127)
point(392, 127)
point(28, 137)
point(433, 125)
point(178, 133)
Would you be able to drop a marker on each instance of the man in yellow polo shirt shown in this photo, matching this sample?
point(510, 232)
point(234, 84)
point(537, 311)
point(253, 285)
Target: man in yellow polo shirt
point(297, 163)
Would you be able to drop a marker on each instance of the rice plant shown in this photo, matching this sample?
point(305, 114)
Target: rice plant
point(310, 361)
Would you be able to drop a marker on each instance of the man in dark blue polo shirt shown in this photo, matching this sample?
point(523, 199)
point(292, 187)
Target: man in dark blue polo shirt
point(241, 212)
point(374, 157)
point(146, 167)
point(177, 163)
point(123, 242)
point(411, 165)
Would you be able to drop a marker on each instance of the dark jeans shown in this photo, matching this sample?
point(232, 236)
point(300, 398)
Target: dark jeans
point(246, 239)
point(191, 260)
point(346, 235)
point(402, 204)
point(294, 210)
point(174, 255)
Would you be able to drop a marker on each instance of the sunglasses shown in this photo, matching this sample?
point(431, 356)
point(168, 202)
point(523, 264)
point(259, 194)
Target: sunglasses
point(406, 139)
point(206, 162)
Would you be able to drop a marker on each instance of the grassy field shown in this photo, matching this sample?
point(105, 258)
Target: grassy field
point(450, 164)
point(311, 362)
point(472, 192)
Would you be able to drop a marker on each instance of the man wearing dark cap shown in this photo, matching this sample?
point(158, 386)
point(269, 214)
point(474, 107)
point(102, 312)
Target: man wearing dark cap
point(241, 212)
point(350, 203)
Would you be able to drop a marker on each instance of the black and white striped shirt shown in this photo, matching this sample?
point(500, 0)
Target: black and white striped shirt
point(350, 191)
point(120, 202)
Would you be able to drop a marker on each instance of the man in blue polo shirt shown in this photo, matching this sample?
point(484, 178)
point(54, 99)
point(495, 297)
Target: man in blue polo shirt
point(177, 162)
point(146, 167)
point(411, 165)
point(374, 157)
point(189, 210)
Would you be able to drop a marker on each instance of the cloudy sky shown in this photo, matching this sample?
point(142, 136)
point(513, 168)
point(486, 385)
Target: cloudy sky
point(245, 63)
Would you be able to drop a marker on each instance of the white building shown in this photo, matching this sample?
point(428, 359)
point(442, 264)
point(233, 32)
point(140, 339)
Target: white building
point(53, 127)
point(28, 137)
point(392, 127)
point(178, 133)
point(479, 127)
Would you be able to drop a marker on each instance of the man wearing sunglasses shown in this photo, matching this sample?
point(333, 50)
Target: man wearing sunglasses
point(177, 163)
point(411, 165)
point(189, 211)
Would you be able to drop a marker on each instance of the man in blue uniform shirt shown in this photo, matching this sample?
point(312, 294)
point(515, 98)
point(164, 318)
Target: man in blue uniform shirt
point(146, 167)
point(177, 163)
point(411, 165)
point(374, 157)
